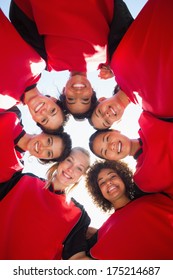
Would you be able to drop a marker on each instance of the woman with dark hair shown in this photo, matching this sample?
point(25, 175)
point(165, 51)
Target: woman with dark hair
point(38, 220)
point(139, 227)
point(14, 142)
point(143, 66)
point(24, 66)
point(152, 151)
point(71, 42)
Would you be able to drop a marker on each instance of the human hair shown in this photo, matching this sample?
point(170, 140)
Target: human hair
point(80, 116)
point(66, 139)
point(116, 89)
point(122, 170)
point(65, 119)
point(93, 136)
point(53, 168)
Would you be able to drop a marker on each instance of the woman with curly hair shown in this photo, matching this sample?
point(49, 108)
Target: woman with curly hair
point(111, 171)
point(141, 225)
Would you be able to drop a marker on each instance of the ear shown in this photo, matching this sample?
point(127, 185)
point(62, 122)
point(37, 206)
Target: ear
point(102, 99)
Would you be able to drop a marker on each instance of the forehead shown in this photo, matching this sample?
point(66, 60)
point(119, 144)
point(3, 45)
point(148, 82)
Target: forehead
point(80, 158)
point(105, 172)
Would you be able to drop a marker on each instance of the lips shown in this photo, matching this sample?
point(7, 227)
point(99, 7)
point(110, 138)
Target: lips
point(113, 111)
point(39, 106)
point(119, 147)
point(36, 147)
point(112, 188)
point(66, 175)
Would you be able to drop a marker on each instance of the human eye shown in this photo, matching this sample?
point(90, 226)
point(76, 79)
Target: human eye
point(101, 183)
point(53, 111)
point(70, 98)
point(80, 169)
point(68, 159)
point(44, 121)
point(49, 141)
point(49, 154)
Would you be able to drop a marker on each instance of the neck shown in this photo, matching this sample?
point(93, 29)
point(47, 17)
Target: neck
point(123, 98)
point(134, 147)
point(31, 94)
point(23, 142)
point(74, 73)
point(121, 202)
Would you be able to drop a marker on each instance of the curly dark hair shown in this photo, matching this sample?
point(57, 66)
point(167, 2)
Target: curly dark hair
point(77, 116)
point(93, 136)
point(61, 128)
point(67, 149)
point(123, 171)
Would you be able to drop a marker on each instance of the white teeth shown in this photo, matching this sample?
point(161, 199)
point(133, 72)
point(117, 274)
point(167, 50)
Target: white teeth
point(36, 147)
point(67, 176)
point(112, 110)
point(78, 85)
point(38, 107)
point(112, 188)
point(119, 147)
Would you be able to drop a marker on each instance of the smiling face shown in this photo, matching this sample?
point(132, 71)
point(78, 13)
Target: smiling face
point(112, 145)
point(45, 146)
point(46, 112)
point(78, 92)
point(112, 187)
point(71, 169)
point(108, 111)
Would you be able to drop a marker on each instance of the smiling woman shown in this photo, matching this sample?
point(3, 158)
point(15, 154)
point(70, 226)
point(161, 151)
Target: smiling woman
point(14, 142)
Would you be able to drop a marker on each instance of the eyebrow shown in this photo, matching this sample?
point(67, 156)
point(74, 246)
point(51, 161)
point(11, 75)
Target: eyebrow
point(79, 164)
point(107, 174)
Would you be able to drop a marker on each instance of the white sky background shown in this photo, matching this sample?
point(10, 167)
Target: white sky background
point(80, 131)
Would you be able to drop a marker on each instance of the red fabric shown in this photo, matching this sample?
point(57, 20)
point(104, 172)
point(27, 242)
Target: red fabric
point(154, 169)
point(20, 64)
point(143, 61)
point(35, 221)
point(143, 229)
point(10, 129)
point(75, 32)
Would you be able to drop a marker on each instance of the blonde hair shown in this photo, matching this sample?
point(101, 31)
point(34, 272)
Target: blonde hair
point(50, 172)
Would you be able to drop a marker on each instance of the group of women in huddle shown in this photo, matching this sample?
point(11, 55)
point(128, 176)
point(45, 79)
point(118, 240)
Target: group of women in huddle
point(38, 218)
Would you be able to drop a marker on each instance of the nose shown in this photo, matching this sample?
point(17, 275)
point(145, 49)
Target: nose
point(111, 146)
point(106, 114)
point(108, 182)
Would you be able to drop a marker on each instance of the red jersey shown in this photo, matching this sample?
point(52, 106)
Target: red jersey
point(10, 133)
point(34, 221)
point(141, 230)
point(155, 163)
point(20, 65)
point(143, 61)
point(75, 33)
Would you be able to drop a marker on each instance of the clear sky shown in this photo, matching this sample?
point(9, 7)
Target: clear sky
point(80, 131)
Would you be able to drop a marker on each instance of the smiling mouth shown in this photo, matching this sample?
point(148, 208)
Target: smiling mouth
point(36, 147)
point(113, 111)
point(119, 147)
point(112, 188)
point(66, 175)
point(78, 86)
point(39, 107)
